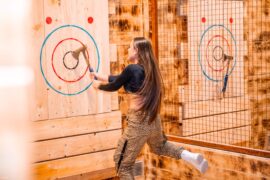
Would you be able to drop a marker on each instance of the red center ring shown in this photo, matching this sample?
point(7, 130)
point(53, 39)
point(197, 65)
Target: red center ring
point(68, 81)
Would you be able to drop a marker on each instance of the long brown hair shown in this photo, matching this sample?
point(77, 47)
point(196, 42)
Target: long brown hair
point(152, 88)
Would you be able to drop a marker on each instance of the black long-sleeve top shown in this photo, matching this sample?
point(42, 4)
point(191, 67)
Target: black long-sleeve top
point(131, 78)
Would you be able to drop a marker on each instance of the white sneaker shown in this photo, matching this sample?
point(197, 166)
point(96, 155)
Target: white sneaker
point(203, 166)
point(196, 160)
point(191, 157)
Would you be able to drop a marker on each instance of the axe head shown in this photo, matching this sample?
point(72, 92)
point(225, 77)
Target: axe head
point(227, 57)
point(77, 52)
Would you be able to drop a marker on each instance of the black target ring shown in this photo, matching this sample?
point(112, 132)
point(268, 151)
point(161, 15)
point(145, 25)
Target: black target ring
point(70, 68)
point(214, 55)
point(202, 55)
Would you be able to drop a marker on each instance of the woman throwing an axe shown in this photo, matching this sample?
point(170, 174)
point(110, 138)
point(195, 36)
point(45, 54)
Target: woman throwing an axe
point(143, 82)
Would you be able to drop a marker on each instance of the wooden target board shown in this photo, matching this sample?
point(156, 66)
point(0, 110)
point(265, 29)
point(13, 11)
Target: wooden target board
point(215, 31)
point(215, 105)
point(68, 25)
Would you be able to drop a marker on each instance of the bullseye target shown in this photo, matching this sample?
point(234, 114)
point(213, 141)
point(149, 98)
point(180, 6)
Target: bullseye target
point(62, 72)
point(216, 42)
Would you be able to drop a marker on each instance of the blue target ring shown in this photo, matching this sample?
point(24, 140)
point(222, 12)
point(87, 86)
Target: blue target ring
point(41, 52)
point(199, 52)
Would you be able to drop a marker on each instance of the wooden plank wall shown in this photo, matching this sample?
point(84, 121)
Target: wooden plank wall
point(127, 19)
point(223, 165)
point(169, 62)
point(71, 133)
point(76, 145)
point(257, 25)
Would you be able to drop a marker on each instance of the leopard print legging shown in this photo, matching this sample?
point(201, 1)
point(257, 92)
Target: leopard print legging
point(137, 133)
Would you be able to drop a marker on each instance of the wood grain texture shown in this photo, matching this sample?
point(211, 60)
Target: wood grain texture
point(257, 69)
point(222, 164)
point(37, 36)
point(57, 128)
point(76, 13)
point(75, 145)
point(74, 165)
